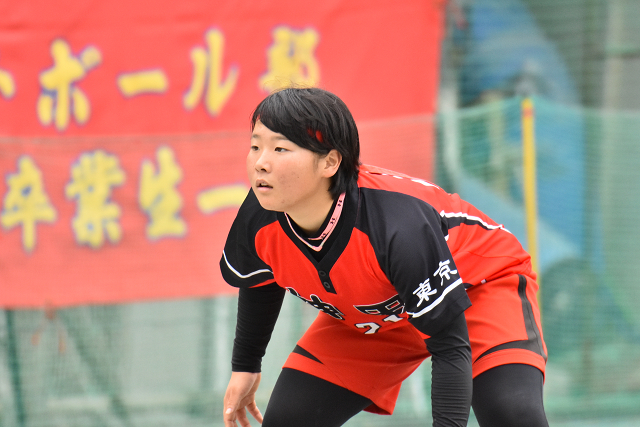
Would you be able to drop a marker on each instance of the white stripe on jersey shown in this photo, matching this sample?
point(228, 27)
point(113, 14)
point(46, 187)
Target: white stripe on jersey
point(437, 301)
point(473, 218)
point(243, 276)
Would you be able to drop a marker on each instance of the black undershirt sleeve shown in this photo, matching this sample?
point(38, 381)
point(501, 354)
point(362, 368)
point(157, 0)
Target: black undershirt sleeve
point(451, 383)
point(258, 310)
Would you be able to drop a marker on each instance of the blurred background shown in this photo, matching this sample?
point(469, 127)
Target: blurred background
point(124, 321)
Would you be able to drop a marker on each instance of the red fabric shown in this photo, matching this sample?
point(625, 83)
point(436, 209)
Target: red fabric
point(275, 248)
point(375, 366)
point(380, 57)
point(378, 363)
point(481, 253)
point(489, 327)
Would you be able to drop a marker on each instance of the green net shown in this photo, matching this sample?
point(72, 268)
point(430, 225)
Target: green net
point(587, 182)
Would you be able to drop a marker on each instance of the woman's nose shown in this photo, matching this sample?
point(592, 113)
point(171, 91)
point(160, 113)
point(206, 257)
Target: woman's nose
point(262, 162)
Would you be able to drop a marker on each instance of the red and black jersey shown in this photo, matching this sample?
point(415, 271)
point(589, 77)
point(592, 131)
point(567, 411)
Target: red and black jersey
point(405, 249)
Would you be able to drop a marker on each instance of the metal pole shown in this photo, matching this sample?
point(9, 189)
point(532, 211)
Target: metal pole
point(530, 191)
point(14, 368)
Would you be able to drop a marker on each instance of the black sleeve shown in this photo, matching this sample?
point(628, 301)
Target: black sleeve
point(423, 271)
point(409, 238)
point(451, 380)
point(258, 310)
point(240, 264)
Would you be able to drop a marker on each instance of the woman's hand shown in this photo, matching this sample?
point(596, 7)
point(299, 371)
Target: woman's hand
point(240, 398)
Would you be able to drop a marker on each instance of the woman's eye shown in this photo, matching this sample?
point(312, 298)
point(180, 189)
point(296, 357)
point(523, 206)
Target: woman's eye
point(254, 148)
point(280, 149)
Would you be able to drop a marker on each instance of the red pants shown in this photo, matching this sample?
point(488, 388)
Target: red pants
point(504, 328)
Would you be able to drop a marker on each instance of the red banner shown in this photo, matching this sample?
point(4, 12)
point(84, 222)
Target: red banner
point(124, 127)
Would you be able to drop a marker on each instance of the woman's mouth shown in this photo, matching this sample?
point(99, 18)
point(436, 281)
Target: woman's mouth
point(263, 184)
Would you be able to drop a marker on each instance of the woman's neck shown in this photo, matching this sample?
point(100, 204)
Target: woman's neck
point(311, 219)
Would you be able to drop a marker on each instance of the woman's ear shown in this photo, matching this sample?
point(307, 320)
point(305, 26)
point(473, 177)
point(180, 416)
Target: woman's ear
point(331, 163)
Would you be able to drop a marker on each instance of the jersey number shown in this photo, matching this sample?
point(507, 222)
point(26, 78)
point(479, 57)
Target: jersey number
point(373, 327)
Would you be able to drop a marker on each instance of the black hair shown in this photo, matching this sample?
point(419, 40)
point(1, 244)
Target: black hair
point(319, 121)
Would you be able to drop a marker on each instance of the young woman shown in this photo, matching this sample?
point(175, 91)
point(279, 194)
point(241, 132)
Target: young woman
point(400, 270)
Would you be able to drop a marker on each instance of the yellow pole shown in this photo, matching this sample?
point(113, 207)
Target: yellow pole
point(530, 192)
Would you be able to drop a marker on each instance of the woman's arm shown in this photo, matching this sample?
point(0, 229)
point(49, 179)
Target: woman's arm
point(451, 380)
point(258, 310)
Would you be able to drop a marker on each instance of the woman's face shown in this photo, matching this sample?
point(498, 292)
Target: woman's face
point(284, 176)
